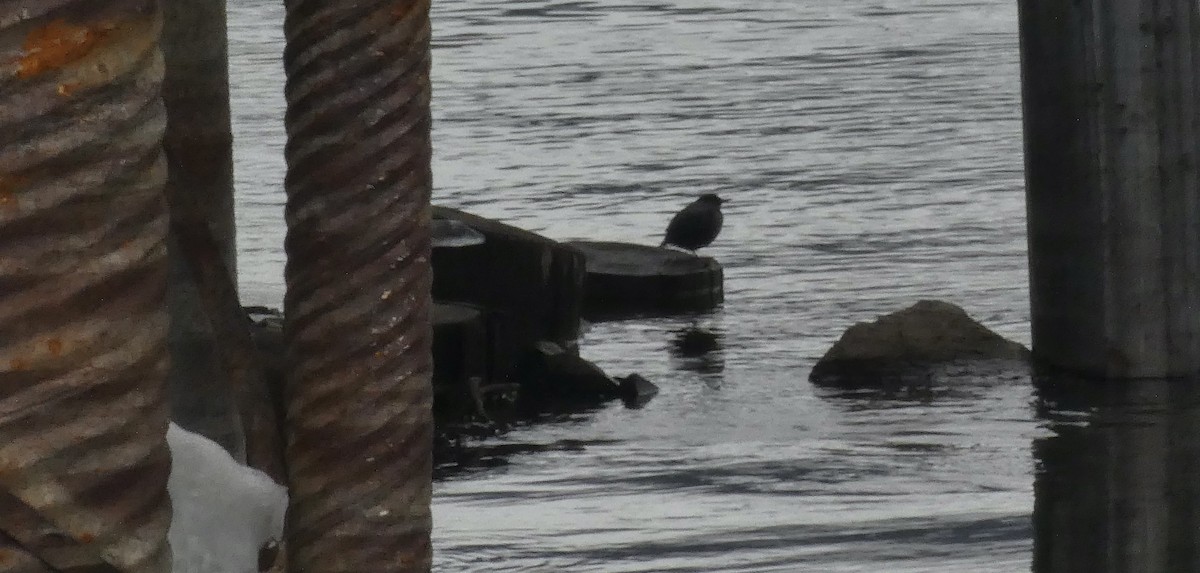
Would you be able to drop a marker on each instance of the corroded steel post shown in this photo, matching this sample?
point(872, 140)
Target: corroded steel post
point(1112, 144)
point(83, 358)
point(199, 147)
point(358, 303)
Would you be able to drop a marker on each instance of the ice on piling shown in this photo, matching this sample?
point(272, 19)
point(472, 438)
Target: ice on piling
point(223, 512)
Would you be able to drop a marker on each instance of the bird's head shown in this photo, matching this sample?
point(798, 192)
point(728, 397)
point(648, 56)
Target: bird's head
point(711, 198)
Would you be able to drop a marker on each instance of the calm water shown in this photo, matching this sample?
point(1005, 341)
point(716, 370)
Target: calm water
point(870, 153)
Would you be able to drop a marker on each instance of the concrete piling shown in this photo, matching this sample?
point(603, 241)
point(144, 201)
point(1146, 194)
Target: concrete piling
point(83, 274)
point(1112, 140)
point(199, 149)
point(357, 309)
point(249, 383)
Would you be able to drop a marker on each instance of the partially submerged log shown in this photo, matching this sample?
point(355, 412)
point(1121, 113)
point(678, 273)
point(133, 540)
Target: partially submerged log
point(624, 279)
point(928, 333)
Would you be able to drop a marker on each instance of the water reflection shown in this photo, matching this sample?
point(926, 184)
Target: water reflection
point(1116, 487)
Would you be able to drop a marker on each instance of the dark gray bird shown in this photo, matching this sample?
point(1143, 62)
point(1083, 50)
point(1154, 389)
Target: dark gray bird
point(696, 225)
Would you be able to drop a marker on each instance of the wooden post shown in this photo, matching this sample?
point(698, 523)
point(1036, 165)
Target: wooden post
point(199, 148)
point(1112, 134)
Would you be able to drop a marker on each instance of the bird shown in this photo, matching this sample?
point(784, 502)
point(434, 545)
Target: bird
point(696, 225)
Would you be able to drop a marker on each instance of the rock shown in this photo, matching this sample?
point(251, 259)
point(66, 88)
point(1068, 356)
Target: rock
point(636, 391)
point(530, 286)
point(694, 342)
point(625, 279)
point(926, 333)
point(551, 377)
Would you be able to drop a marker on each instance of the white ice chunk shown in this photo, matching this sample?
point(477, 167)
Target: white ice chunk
point(223, 512)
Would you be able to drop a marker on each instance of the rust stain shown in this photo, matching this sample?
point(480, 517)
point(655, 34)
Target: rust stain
point(403, 9)
point(67, 89)
point(55, 346)
point(8, 192)
point(87, 537)
point(59, 43)
point(5, 556)
point(18, 364)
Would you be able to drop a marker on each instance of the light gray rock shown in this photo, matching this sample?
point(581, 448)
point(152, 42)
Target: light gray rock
point(929, 332)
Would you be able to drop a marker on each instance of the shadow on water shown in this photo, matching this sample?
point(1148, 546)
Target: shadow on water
point(898, 385)
point(466, 448)
point(1117, 483)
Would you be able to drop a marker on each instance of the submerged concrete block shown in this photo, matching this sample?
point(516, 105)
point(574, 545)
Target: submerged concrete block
point(625, 279)
point(460, 354)
point(530, 285)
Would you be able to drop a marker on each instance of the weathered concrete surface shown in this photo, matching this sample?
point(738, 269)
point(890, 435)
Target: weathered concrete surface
point(926, 333)
point(1112, 144)
point(530, 285)
point(460, 355)
point(241, 367)
point(199, 150)
point(625, 279)
point(266, 328)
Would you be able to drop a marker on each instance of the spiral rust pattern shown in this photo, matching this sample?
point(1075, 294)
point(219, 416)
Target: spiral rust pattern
point(358, 304)
point(83, 457)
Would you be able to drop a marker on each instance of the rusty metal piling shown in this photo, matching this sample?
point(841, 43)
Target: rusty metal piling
point(358, 304)
point(83, 355)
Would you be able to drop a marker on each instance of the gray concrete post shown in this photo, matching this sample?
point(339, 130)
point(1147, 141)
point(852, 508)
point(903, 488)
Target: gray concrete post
point(199, 147)
point(1112, 139)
